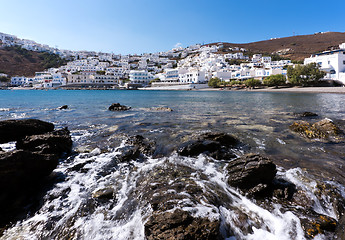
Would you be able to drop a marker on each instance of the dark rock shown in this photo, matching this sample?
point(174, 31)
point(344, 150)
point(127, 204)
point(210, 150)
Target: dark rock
point(340, 230)
point(283, 189)
point(106, 193)
point(128, 153)
point(306, 114)
point(118, 107)
point(56, 142)
point(13, 130)
point(196, 147)
point(318, 224)
point(20, 167)
point(324, 129)
point(251, 170)
point(222, 138)
point(215, 145)
point(181, 225)
point(136, 147)
point(63, 107)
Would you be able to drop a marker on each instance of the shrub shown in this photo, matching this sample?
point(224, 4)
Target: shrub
point(252, 82)
point(275, 80)
point(304, 74)
point(214, 82)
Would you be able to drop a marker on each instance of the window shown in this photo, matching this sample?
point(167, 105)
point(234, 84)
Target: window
point(344, 62)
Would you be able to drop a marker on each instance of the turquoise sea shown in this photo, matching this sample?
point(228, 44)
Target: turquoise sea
point(259, 120)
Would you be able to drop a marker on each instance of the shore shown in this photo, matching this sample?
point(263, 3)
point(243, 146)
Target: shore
point(340, 90)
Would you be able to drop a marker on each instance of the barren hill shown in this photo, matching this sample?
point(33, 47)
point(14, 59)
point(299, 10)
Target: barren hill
point(296, 47)
point(16, 61)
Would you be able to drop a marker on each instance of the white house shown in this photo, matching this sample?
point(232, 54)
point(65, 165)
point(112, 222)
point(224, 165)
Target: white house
point(140, 77)
point(193, 76)
point(332, 62)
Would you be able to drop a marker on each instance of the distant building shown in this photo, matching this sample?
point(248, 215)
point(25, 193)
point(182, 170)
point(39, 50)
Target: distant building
point(193, 76)
point(140, 77)
point(331, 62)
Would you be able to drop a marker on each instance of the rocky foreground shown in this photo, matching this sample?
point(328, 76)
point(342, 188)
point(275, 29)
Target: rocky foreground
point(26, 172)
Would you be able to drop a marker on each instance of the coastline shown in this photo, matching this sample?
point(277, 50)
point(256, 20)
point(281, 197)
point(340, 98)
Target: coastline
point(337, 90)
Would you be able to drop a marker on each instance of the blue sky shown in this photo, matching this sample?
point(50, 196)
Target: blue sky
point(139, 26)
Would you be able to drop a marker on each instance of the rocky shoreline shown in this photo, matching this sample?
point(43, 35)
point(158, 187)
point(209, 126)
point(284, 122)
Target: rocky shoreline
point(27, 172)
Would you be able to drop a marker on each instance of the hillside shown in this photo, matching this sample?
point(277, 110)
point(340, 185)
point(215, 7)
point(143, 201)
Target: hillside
point(16, 61)
point(296, 47)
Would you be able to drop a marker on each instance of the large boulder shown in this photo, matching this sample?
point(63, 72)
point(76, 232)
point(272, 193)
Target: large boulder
point(20, 167)
point(118, 107)
point(324, 129)
point(181, 225)
point(56, 142)
point(251, 171)
point(216, 145)
point(13, 130)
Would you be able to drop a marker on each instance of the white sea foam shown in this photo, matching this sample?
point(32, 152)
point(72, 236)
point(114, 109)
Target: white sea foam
point(7, 147)
point(124, 217)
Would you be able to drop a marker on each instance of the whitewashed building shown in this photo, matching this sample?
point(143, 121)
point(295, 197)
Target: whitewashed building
point(140, 77)
point(332, 62)
point(193, 76)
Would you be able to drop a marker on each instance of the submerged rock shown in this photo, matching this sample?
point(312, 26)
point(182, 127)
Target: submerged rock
point(105, 193)
point(324, 129)
point(340, 231)
point(306, 114)
point(13, 130)
point(136, 146)
point(216, 145)
point(118, 107)
point(251, 170)
point(56, 142)
point(162, 109)
point(181, 225)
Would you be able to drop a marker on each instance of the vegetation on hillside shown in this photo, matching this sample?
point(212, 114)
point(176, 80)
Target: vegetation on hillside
point(19, 61)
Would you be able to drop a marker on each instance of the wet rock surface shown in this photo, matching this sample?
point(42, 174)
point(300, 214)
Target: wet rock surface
point(13, 130)
point(24, 172)
point(136, 147)
point(167, 223)
point(216, 145)
point(324, 129)
point(118, 107)
point(56, 142)
point(251, 170)
point(181, 225)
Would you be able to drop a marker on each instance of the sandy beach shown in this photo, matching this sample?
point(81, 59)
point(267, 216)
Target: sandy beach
point(339, 90)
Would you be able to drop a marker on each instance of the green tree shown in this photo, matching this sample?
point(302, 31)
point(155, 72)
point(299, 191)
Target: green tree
point(100, 72)
point(304, 74)
point(235, 82)
point(275, 80)
point(4, 79)
point(214, 82)
point(252, 82)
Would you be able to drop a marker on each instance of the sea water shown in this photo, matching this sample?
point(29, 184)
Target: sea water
point(259, 120)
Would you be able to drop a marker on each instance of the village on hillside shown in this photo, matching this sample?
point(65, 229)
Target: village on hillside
point(192, 66)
